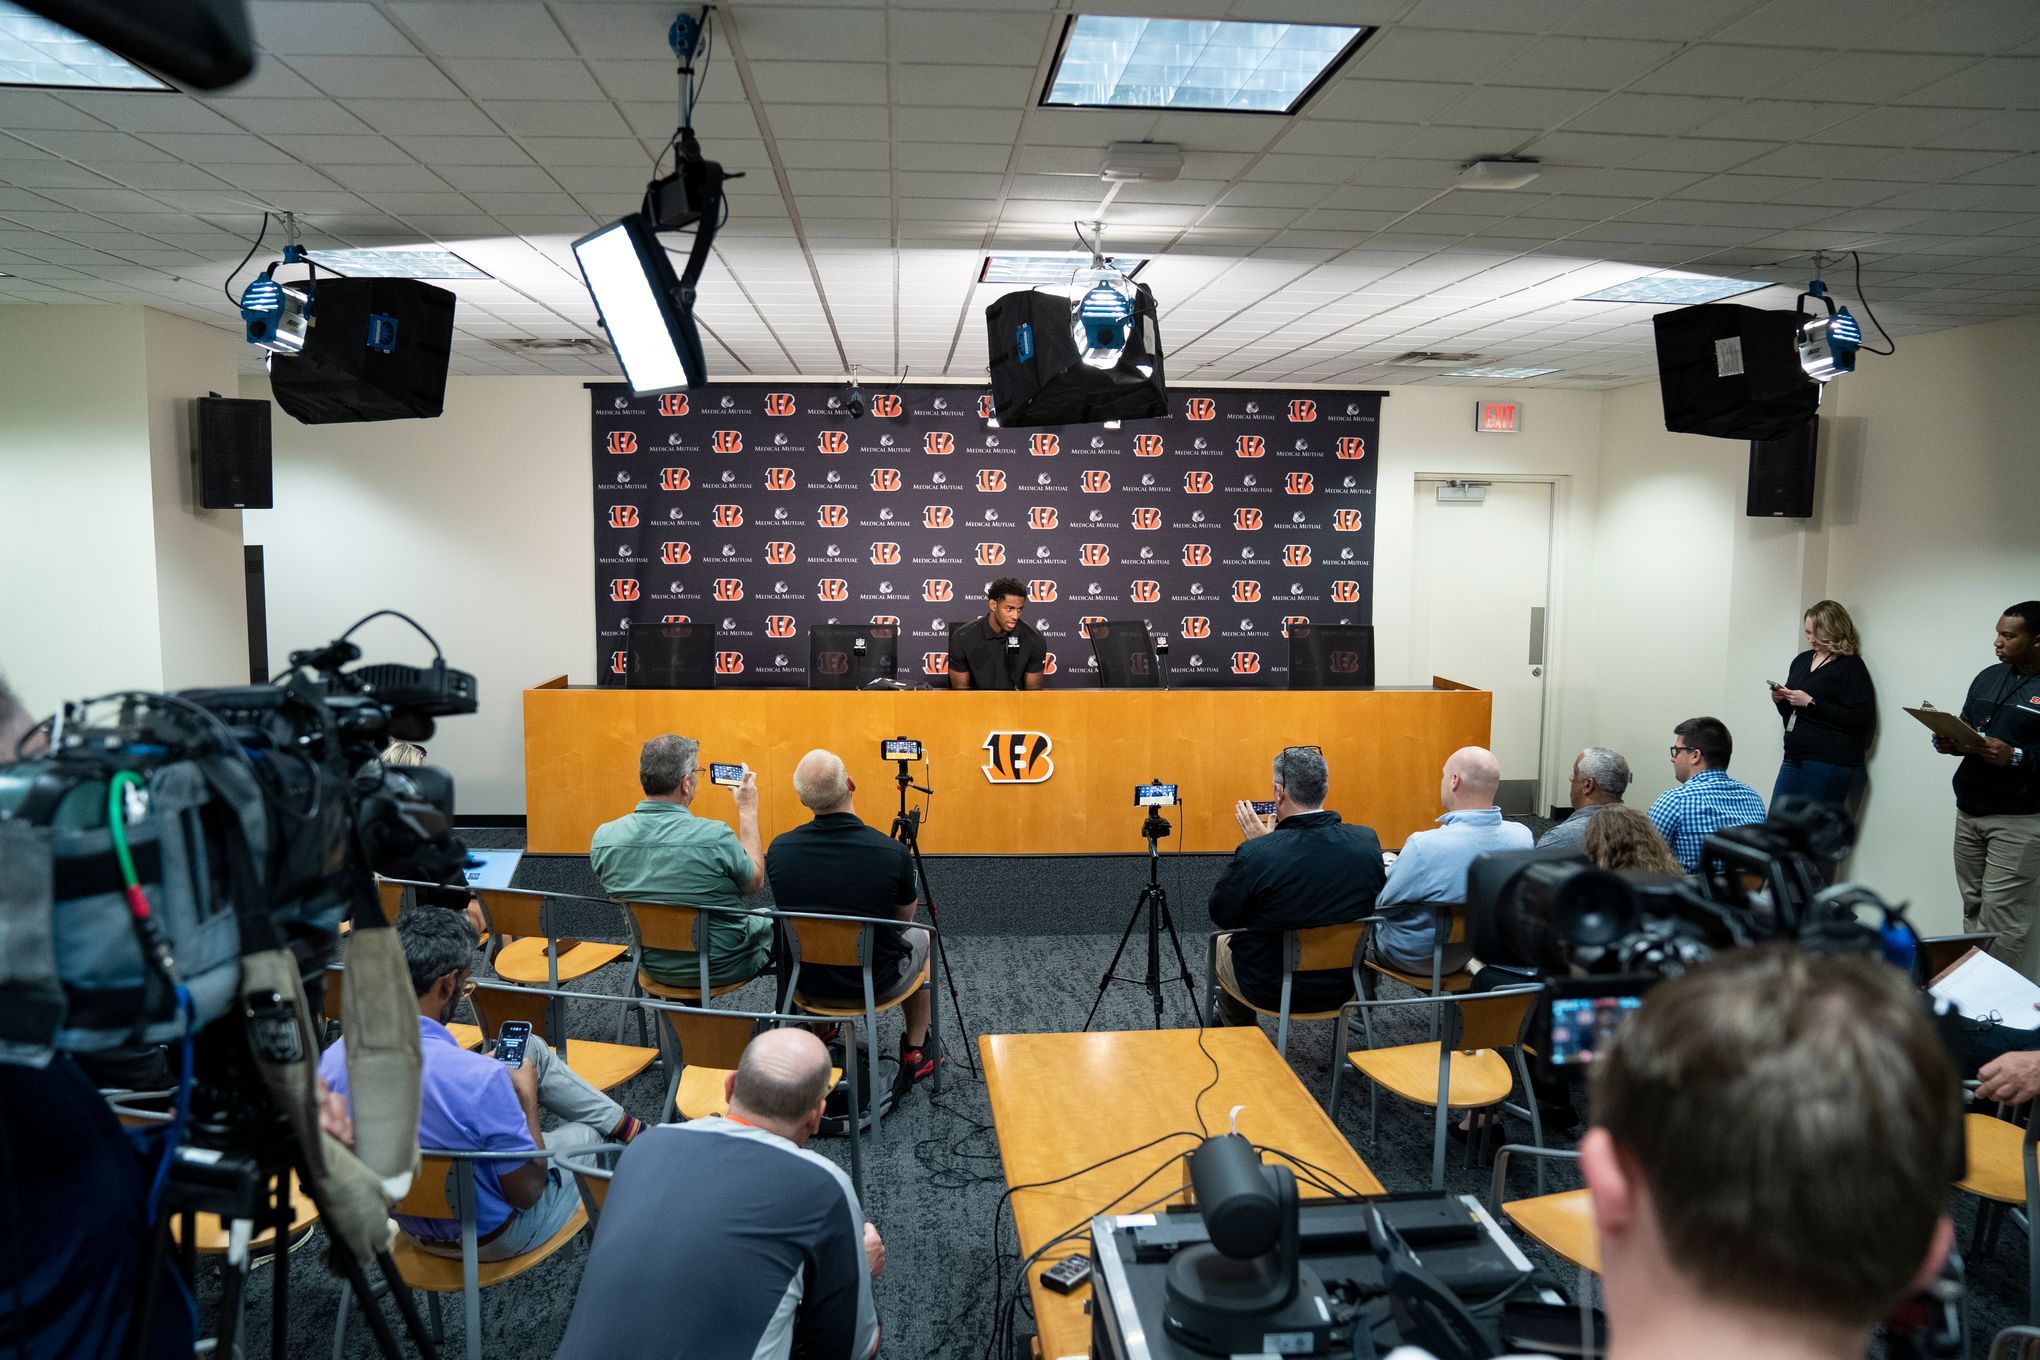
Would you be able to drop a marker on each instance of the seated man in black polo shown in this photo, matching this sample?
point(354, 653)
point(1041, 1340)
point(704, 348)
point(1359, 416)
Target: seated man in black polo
point(998, 651)
point(1308, 869)
point(836, 863)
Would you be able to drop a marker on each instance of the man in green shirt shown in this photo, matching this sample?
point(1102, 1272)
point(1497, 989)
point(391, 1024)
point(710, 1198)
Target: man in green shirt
point(661, 852)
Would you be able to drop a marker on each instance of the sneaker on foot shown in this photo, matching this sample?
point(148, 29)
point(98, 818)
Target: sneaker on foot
point(917, 1061)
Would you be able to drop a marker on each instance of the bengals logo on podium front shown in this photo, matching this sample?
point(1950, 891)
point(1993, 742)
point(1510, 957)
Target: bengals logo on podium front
point(1145, 592)
point(938, 517)
point(622, 441)
point(623, 517)
point(832, 588)
point(885, 554)
point(729, 517)
point(1095, 555)
point(832, 516)
point(1200, 408)
point(1246, 592)
point(1196, 554)
point(780, 479)
point(1147, 446)
point(885, 479)
point(1251, 446)
point(991, 479)
point(887, 405)
point(779, 554)
point(623, 589)
point(1346, 521)
point(1246, 519)
point(937, 591)
point(1246, 663)
point(1196, 626)
point(1296, 554)
point(1018, 757)
point(984, 408)
point(832, 441)
point(729, 588)
point(1045, 445)
point(1041, 517)
point(779, 625)
point(674, 479)
point(935, 663)
point(1346, 592)
point(938, 443)
point(1041, 591)
point(1197, 483)
point(1350, 446)
point(729, 663)
point(1147, 517)
point(779, 404)
point(727, 441)
point(673, 404)
point(1299, 484)
point(1302, 412)
point(1097, 481)
point(991, 554)
point(676, 554)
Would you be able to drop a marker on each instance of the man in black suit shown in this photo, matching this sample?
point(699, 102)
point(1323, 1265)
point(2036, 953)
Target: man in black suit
point(1307, 868)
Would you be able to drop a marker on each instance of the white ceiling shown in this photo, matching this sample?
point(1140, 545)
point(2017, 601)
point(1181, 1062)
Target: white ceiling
point(889, 145)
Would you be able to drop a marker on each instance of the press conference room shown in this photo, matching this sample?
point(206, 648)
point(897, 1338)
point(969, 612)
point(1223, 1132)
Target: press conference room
point(1020, 677)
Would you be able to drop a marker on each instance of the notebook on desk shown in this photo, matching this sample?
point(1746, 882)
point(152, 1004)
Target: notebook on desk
point(1981, 987)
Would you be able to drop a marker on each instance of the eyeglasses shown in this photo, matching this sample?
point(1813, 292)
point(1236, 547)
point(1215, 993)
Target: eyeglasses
point(1676, 750)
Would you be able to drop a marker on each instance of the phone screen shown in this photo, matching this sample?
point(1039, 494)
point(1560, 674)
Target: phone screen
point(511, 1041)
point(1154, 795)
point(729, 776)
point(1581, 1024)
point(1265, 809)
point(901, 748)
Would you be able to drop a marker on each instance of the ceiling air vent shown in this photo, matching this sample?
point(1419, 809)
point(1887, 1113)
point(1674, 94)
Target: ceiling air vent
point(579, 344)
point(1434, 358)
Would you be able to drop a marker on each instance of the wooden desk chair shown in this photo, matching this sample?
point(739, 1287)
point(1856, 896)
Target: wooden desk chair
point(536, 957)
point(1563, 1222)
point(333, 1002)
point(1940, 951)
point(2016, 1343)
point(392, 896)
point(1464, 1070)
point(847, 942)
point(209, 1231)
point(1448, 926)
point(2002, 1172)
point(601, 1065)
point(684, 930)
point(466, 1275)
point(592, 1174)
point(1312, 949)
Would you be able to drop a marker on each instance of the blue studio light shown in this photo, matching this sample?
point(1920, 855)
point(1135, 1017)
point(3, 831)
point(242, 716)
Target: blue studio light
point(1828, 344)
point(1102, 316)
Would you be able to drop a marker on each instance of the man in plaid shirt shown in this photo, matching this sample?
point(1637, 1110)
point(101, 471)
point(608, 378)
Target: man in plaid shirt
point(1706, 800)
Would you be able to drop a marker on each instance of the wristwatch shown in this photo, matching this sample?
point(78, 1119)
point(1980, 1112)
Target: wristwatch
point(2018, 756)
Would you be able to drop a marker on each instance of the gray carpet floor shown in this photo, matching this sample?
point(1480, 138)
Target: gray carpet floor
point(1029, 940)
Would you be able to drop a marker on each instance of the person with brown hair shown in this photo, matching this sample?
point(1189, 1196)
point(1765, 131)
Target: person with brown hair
point(1829, 709)
point(1773, 1147)
point(1623, 838)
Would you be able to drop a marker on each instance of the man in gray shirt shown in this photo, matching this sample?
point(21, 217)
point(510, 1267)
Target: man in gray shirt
point(1599, 779)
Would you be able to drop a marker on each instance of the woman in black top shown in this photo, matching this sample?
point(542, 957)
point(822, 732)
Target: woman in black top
point(1829, 710)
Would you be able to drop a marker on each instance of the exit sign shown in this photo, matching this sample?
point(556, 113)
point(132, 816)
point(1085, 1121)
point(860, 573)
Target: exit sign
point(1497, 417)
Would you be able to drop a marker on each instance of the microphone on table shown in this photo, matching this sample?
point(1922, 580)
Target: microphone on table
point(1012, 655)
point(857, 646)
point(1162, 656)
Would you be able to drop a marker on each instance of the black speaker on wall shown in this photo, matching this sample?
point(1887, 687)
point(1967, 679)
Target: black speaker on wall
point(232, 454)
point(1781, 474)
point(376, 350)
point(1732, 372)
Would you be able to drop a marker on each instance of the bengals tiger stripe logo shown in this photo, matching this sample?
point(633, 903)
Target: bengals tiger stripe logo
point(885, 554)
point(1246, 592)
point(832, 516)
point(673, 404)
point(779, 479)
point(1343, 663)
point(779, 625)
point(984, 408)
point(623, 517)
point(779, 554)
point(833, 588)
point(991, 479)
point(1041, 517)
point(1095, 555)
point(1350, 446)
point(991, 554)
point(729, 516)
point(935, 663)
point(729, 663)
point(1196, 626)
point(727, 441)
point(622, 441)
point(1096, 481)
point(832, 441)
point(1302, 412)
point(887, 406)
point(1296, 555)
point(1041, 592)
point(779, 404)
point(1246, 663)
point(676, 618)
point(935, 591)
point(1299, 484)
point(938, 443)
point(885, 620)
point(1145, 592)
point(674, 479)
point(1147, 446)
point(1196, 554)
point(1346, 521)
point(729, 588)
point(1346, 592)
point(885, 479)
point(1200, 408)
point(1251, 446)
point(1290, 621)
point(1045, 445)
point(676, 554)
point(1018, 758)
point(619, 663)
point(1246, 519)
point(1087, 625)
point(1197, 483)
point(623, 589)
point(1147, 517)
point(938, 517)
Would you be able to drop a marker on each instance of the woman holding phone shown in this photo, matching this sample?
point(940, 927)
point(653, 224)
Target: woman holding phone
point(1829, 709)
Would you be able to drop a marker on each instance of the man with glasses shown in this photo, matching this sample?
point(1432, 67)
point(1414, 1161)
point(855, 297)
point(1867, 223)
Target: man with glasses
point(474, 1103)
point(1302, 867)
point(1706, 800)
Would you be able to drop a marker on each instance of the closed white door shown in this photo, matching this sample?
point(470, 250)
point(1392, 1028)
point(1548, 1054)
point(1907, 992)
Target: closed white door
point(1480, 605)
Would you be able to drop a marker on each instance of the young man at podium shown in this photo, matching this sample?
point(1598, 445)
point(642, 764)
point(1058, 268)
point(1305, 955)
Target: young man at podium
point(998, 651)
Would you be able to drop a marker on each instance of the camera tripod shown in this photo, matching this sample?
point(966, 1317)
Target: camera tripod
point(1154, 905)
point(906, 829)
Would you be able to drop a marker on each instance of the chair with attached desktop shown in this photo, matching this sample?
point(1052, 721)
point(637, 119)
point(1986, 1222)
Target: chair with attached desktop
point(1309, 950)
point(2003, 1175)
point(536, 956)
point(602, 1065)
point(1563, 1222)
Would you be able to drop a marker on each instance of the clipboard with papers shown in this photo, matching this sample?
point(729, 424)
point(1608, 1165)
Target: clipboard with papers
point(1942, 723)
point(1981, 987)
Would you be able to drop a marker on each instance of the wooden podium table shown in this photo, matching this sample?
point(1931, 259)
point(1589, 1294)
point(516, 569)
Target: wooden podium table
point(1063, 1101)
point(1000, 788)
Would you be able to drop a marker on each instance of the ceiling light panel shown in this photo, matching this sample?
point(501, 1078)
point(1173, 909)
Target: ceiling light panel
point(396, 264)
point(1500, 374)
point(1049, 271)
point(38, 53)
point(1110, 61)
point(1676, 290)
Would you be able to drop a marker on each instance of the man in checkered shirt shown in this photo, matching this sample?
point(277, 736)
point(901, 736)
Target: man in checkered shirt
point(1706, 800)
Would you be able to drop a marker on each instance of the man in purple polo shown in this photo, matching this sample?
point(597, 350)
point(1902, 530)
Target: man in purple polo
point(474, 1103)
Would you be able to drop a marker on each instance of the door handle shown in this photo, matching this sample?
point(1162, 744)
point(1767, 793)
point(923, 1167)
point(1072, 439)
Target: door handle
point(1536, 670)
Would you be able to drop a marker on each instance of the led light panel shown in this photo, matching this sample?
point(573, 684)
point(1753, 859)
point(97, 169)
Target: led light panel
point(1500, 374)
point(1676, 290)
point(38, 52)
point(1049, 271)
point(400, 263)
point(1109, 61)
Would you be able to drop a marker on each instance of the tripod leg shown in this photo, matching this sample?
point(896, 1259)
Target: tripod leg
point(406, 1306)
point(1182, 965)
point(1156, 909)
point(1113, 967)
point(903, 832)
point(233, 1287)
point(279, 1298)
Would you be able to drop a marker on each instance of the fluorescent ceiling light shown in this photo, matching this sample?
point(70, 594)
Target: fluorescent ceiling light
point(1676, 289)
point(402, 262)
point(1050, 270)
point(1110, 61)
point(1497, 374)
point(35, 51)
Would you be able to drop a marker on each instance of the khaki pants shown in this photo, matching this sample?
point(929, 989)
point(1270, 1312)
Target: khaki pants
point(1997, 867)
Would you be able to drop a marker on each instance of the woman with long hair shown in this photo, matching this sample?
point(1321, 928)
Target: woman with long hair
point(1829, 709)
point(1623, 838)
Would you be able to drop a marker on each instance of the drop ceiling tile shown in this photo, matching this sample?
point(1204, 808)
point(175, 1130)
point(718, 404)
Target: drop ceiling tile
point(1458, 144)
point(511, 29)
point(1583, 63)
point(1870, 76)
point(91, 148)
point(2000, 82)
point(478, 150)
point(1722, 69)
point(561, 118)
point(2016, 170)
point(2017, 131)
point(165, 175)
point(808, 154)
point(1520, 107)
point(145, 112)
point(994, 86)
point(374, 77)
point(1684, 22)
point(508, 179)
point(819, 82)
point(1192, 131)
point(930, 35)
point(1380, 100)
point(322, 150)
point(1981, 27)
point(490, 78)
point(1777, 119)
point(1438, 55)
point(831, 122)
point(330, 29)
point(272, 178)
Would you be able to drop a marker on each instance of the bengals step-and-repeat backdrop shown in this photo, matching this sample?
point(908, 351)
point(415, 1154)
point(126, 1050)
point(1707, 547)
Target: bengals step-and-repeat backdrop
point(765, 509)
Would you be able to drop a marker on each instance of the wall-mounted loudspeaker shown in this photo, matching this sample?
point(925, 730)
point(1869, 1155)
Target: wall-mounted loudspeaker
point(232, 454)
point(376, 350)
point(1781, 474)
point(1732, 372)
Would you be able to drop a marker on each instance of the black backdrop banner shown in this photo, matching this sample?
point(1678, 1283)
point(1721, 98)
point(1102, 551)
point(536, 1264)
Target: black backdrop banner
point(764, 509)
